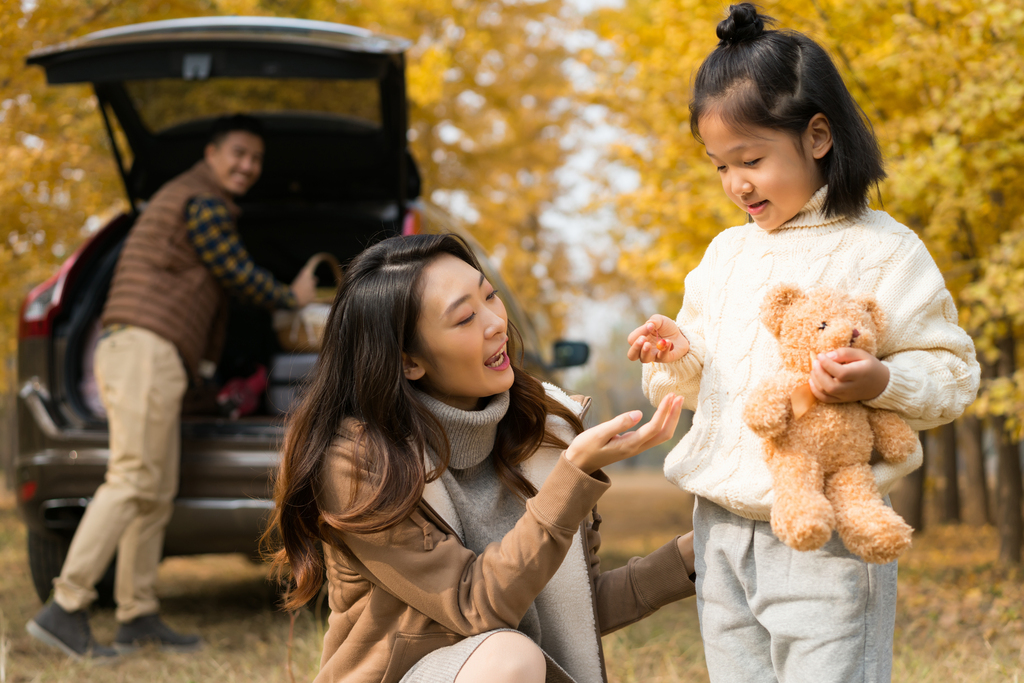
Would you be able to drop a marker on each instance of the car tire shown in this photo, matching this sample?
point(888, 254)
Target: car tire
point(46, 553)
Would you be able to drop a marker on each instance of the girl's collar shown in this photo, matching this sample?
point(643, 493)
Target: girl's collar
point(812, 215)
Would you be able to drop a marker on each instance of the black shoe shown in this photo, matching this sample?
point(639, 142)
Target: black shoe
point(69, 632)
point(151, 629)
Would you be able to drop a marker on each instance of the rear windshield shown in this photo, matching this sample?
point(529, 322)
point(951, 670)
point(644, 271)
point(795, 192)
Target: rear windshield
point(166, 103)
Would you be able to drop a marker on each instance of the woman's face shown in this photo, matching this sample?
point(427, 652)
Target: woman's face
point(463, 336)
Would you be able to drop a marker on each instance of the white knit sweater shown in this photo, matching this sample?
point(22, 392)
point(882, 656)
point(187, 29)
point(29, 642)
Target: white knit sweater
point(933, 372)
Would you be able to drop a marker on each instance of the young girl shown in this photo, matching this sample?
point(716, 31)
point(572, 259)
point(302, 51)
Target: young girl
point(795, 153)
point(449, 491)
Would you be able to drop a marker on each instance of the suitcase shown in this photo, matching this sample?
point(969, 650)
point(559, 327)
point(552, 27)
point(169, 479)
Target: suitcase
point(288, 374)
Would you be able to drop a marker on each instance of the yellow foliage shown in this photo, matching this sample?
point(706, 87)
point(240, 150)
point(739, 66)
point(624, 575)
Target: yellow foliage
point(487, 113)
point(941, 84)
point(486, 98)
point(57, 171)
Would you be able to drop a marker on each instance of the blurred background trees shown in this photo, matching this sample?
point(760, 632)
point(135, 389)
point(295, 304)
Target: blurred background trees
point(940, 81)
point(489, 108)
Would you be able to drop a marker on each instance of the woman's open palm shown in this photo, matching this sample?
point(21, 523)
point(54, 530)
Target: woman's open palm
point(605, 444)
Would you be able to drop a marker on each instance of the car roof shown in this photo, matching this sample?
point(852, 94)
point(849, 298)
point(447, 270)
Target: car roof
point(272, 30)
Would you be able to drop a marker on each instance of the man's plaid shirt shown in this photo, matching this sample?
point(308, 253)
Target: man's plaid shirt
point(212, 232)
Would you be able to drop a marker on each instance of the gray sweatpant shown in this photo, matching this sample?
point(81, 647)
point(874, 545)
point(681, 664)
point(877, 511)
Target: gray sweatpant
point(769, 613)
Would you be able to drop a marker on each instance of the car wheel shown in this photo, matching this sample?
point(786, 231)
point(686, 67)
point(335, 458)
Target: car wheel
point(46, 555)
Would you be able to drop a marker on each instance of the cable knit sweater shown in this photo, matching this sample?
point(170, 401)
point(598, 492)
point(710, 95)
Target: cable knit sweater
point(933, 372)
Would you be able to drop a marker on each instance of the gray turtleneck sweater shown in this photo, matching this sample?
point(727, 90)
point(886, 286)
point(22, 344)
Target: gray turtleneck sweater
point(487, 509)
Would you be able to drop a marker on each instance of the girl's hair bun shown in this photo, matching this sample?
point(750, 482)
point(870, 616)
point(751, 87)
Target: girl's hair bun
point(743, 23)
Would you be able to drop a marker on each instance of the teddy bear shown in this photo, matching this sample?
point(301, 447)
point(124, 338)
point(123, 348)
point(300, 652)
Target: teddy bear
point(819, 454)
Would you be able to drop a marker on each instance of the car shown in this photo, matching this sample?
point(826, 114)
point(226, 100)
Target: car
point(338, 177)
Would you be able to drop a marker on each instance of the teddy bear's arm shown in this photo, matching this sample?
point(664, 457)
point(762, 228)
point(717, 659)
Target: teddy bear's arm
point(769, 410)
point(894, 438)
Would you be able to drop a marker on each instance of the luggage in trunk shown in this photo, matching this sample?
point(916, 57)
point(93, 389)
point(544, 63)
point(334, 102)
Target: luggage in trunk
point(288, 374)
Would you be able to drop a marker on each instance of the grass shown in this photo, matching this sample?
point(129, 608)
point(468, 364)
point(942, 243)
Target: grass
point(959, 616)
point(225, 598)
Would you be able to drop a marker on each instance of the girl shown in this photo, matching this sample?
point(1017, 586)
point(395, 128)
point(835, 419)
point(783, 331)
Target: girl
point(448, 490)
point(793, 151)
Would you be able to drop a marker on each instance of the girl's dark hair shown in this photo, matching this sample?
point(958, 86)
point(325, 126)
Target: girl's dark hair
point(780, 80)
point(359, 375)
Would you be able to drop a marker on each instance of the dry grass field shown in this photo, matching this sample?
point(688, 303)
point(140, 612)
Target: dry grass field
point(959, 617)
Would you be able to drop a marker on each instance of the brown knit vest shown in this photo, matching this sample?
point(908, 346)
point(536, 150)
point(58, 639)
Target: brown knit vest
point(160, 283)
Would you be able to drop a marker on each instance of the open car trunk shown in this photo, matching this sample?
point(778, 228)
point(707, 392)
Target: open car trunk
point(281, 238)
point(331, 97)
point(337, 174)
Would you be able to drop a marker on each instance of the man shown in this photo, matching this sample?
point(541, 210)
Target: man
point(164, 323)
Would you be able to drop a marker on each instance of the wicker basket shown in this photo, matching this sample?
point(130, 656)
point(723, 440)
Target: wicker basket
point(301, 331)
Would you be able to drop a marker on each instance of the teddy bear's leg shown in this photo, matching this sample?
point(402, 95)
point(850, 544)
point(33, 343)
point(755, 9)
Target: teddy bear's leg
point(868, 527)
point(894, 438)
point(802, 517)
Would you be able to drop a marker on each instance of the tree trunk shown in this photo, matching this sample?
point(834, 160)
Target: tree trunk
point(945, 440)
point(1008, 482)
point(1008, 496)
point(908, 495)
point(975, 503)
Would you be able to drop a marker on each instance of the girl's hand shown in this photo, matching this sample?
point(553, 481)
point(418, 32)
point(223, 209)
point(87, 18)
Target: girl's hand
point(604, 444)
point(846, 375)
point(659, 339)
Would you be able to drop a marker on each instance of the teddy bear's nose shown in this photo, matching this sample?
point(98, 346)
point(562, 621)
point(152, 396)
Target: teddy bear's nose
point(856, 333)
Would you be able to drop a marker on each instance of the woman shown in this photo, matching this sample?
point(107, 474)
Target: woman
point(449, 490)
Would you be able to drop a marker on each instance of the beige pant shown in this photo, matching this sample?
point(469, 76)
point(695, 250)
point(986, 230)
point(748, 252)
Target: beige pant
point(141, 380)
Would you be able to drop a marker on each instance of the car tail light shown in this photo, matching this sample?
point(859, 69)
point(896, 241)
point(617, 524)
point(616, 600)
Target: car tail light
point(43, 303)
point(27, 491)
point(412, 224)
point(37, 312)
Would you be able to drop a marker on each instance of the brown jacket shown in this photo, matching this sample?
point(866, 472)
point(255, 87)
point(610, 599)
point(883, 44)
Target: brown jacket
point(160, 283)
point(397, 595)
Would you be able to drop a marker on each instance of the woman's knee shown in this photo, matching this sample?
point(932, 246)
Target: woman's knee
point(505, 657)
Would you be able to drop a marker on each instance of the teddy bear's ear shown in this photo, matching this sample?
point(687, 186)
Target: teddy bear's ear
point(776, 302)
point(870, 305)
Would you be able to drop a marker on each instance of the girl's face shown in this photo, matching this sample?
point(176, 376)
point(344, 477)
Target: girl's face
point(770, 174)
point(462, 336)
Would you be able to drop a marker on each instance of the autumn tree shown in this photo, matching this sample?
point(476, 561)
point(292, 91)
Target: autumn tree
point(939, 81)
point(489, 106)
point(58, 180)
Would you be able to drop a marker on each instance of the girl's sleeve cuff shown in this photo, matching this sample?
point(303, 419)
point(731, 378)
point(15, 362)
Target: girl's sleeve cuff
point(901, 392)
point(661, 378)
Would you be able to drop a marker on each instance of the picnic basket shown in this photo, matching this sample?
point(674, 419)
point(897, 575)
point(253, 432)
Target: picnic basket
point(301, 331)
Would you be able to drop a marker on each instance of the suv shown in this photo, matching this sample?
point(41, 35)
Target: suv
point(338, 177)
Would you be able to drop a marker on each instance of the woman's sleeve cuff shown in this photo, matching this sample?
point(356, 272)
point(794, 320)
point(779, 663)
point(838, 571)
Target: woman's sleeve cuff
point(568, 495)
point(661, 577)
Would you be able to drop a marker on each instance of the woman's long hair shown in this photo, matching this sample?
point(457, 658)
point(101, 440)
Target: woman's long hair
point(359, 375)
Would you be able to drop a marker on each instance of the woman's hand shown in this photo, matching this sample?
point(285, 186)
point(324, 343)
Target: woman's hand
point(658, 339)
point(846, 375)
point(685, 545)
point(604, 444)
